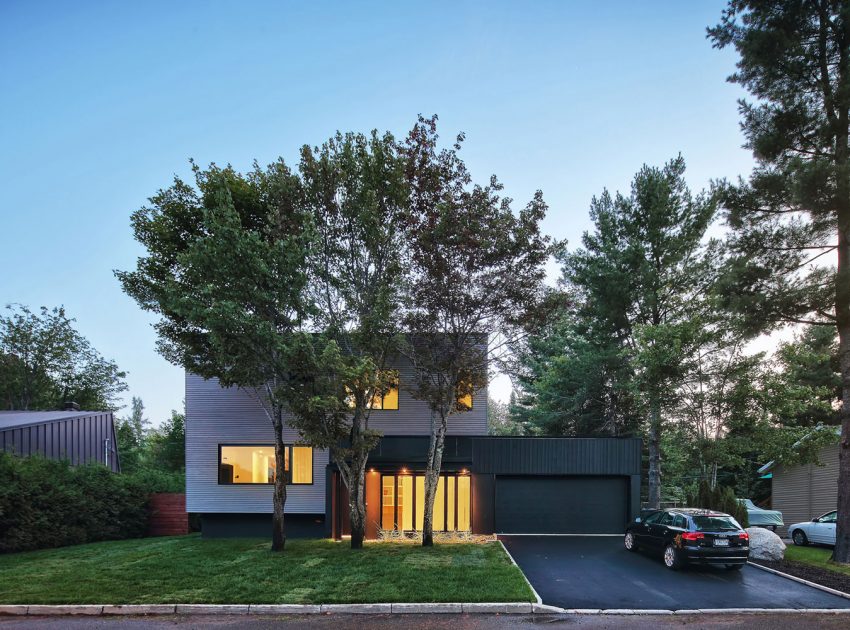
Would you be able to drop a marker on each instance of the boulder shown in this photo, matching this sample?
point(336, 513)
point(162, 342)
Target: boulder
point(765, 545)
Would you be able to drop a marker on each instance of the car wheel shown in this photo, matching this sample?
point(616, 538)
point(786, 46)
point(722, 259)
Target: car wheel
point(799, 537)
point(734, 567)
point(672, 560)
point(629, 542)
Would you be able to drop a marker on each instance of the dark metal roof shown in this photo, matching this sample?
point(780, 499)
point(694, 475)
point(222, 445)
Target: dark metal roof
point(14, 419)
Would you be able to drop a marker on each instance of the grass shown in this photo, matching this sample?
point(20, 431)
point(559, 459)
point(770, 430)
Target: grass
point(187, 569)
point(815, 556)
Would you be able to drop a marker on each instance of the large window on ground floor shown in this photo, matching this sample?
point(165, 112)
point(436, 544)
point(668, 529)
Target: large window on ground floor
point(403, 502)
point(255, 463)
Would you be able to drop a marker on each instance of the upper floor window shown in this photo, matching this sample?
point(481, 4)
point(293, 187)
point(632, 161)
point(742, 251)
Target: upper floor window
point(464, 396)
point(255, 464)
point(387, 401)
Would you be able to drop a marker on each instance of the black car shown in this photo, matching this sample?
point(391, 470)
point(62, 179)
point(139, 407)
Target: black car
point(690, 536)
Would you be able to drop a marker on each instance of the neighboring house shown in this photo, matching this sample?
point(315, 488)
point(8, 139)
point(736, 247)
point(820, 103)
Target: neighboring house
point(487, 484)
point(81, 437)
point(804, 492)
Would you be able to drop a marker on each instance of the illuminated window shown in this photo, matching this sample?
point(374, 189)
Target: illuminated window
point(255, 464)
point(403, 502)
point(464, 396)
point(389, 401)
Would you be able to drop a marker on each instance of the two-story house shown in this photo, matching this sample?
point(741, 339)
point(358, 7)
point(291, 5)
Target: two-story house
point(487, 484)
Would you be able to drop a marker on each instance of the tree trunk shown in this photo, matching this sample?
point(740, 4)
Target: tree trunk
point(654, 497)
point(279, 500)
point(357, 502)
point(432, 476)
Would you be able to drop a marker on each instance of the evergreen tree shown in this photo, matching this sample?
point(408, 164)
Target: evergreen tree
point(791, 221)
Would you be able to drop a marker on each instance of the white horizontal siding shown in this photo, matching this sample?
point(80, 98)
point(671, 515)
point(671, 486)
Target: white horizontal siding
point(215, 415)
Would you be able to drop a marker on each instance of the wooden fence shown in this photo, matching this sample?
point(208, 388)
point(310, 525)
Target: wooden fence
point(167, 514)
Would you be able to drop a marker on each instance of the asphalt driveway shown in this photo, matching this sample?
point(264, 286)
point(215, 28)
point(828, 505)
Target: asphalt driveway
point(597, 572)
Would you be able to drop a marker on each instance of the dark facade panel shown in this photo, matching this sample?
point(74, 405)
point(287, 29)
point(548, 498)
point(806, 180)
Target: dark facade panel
point(556, 456)
point(80, 440)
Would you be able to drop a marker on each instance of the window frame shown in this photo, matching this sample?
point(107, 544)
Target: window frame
point(288, 473)
point(445, 476)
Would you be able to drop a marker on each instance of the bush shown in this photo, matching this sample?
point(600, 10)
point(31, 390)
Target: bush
point(46, 503)
point(721, 499)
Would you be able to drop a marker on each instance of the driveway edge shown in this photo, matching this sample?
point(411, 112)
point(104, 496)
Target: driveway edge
point(794, 578)
point(524, 577)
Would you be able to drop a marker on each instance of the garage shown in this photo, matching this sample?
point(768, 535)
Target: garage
point(561, 504)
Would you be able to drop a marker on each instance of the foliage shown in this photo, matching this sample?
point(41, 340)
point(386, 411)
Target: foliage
point(640, 283)
point(167, 444)
point(790, 223)
point(47, 503)
point(45, 362)
point(474, 280)
point(720, 498)
point(141, 447)
point(500, 420)
point(188, 569)
point(225, 270)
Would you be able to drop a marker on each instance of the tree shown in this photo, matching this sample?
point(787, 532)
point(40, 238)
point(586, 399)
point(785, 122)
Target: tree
point(45, 362)
point(130, 433)
point(793, 215)
point(226, 271)
point(499, 419)
point(475, 278)
point(640, 279)
point(167, 444)
point(355, 191)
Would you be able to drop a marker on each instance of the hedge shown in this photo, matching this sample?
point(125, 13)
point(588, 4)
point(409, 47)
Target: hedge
point(722, 499)
point(46, 503)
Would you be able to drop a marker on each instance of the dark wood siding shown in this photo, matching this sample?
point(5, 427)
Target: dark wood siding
point(556, 456)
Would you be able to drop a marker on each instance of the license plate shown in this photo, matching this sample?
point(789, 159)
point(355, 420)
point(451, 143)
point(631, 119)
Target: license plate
point(721, 542)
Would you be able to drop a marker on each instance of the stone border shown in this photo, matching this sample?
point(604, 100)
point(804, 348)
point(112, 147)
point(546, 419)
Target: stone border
point(820, 587)
point(512, 608)
point(524, 577)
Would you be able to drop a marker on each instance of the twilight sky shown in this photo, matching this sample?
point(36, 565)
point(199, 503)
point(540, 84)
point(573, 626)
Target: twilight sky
point(103, 102)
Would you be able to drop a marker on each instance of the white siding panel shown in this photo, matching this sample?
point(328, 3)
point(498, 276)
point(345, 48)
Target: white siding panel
point(215, 415)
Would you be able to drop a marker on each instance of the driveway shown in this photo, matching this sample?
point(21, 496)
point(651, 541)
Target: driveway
point(597, 572)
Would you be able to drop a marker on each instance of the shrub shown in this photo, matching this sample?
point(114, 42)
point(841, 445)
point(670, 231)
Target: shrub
point(721, 499)
point(46, 503)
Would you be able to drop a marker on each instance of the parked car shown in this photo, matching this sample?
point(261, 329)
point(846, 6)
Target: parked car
point(819, 530)
point(758, 517)
point(690, 536)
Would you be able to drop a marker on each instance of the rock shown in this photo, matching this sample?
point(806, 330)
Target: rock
point(765, 545)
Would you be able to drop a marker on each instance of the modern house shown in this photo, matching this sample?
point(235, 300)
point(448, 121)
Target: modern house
point(81, 437)
point(805, 491)
point(487, 484)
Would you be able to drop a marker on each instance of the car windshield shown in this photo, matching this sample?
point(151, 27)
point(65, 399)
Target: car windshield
point(716, 524)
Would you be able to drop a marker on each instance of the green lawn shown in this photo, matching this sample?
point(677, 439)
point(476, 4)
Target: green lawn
point(815, 556)
point(187, 569)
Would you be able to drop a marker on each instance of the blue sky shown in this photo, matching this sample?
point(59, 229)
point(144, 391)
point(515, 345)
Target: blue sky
point(103, 102)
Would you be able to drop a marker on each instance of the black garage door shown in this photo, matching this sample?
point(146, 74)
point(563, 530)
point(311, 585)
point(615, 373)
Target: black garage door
point(561, 505)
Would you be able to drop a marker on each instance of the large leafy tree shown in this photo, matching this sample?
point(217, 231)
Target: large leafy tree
point(45, 362)
point(791, 221)
point(640, 278)
point(356, 193)
point(226, 271)
point(475, 279)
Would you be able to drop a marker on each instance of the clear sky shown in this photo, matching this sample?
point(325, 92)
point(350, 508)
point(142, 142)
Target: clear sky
point(101, 103)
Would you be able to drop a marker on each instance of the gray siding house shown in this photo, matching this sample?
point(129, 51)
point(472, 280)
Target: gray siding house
point(804, 492)
point(488, 484)
point(81, 437)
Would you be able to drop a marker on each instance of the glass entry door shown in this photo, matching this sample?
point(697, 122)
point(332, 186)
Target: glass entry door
point(403, 502)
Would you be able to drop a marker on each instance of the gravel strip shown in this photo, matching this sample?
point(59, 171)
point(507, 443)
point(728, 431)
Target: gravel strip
point(824, 577)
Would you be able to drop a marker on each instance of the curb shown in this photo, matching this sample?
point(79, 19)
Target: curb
point(820, 587)
point(513, 562)
point(513, 608)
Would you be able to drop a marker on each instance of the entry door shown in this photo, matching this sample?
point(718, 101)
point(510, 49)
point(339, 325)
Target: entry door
point(561, 505)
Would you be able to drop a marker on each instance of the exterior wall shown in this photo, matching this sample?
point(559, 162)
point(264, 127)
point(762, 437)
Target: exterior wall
point(229, 416)
point(803, 492)
point(80, 439)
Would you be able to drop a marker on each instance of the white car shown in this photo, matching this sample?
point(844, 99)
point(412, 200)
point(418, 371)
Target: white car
point(819, 530)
